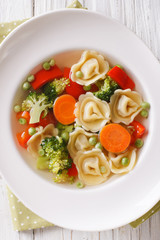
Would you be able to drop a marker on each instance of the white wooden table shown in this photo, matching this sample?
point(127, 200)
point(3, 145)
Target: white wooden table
point(143, 18)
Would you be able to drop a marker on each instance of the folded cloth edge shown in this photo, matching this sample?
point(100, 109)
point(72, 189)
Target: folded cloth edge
point(147, 215)
point(22, 217)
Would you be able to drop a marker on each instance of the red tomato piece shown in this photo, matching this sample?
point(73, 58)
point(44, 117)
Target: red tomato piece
point(74, 89)
point(49, 118)
point(23, 137)
point(119, 76)
point(44, 76)
point(24, 115)
point(138, 131)
point(67, 72)
point(73, 171)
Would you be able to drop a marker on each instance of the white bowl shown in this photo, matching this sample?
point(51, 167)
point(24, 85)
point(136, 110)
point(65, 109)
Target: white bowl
point(118, 201)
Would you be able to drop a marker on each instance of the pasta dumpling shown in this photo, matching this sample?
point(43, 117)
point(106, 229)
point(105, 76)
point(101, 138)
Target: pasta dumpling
point(93, 67)
point(125, 106)
point(79, 141)
point(35, 141)
point(91, 112)
point(115, 161)
point(93, 167)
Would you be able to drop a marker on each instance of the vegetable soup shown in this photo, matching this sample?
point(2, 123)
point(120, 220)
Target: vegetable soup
point(79, 119)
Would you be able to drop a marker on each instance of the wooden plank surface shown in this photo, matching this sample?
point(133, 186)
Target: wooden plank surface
point(143, 18)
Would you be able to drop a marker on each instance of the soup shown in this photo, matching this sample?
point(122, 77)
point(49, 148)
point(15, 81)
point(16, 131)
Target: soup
point(79, 118)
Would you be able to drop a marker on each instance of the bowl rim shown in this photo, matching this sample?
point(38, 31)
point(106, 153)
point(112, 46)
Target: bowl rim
point(4, 43)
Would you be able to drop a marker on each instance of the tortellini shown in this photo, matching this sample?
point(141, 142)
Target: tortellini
point(91, 112)
point(35, 141)
point(79, 141)
point(115, 161)
point(125, 106)
point(90, 165)
point(93, 67)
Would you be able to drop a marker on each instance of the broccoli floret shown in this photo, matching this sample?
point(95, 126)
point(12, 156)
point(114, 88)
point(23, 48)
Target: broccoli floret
point(63, 177)
point(36, 103)
point(54, 88)
point(55, 148)
point(67, 128)
point(106, 90)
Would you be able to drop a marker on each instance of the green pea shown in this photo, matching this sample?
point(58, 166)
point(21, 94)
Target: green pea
point(65, 136)
point(30, 78)
point(80, 185)
point(26, 86)
point(119, 66)
point(31, 131)
point(145, 105)
point(79, 74)
point(139, 143)
point(17, 108)
point(144, 113)
point(52, 62)
point(125, 161)
point(93, 140)
point(87, 88)
point(102, 169)
point(99, 146)
point(22, 121)
point(41, 152)
point(46, 66)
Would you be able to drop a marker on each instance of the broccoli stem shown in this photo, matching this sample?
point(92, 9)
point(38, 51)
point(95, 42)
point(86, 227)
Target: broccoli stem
point(35, 113)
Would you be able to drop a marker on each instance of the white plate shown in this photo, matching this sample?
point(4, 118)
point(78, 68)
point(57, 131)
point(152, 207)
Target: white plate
point(118, 201)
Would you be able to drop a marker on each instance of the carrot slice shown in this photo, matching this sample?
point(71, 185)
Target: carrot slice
point(115, 138)
point(64, 109)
